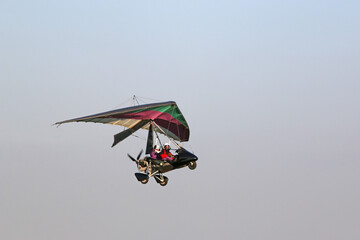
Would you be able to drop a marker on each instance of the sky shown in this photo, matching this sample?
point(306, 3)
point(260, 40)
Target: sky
point(270, 90)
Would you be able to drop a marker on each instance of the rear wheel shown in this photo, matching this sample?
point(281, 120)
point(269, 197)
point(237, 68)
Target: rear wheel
point(164, 182)
point(192, 165)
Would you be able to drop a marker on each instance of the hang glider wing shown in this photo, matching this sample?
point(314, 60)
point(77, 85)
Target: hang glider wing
point(167, 117)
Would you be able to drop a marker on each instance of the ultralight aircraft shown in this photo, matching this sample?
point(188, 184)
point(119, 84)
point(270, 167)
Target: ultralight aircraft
point(160, 118)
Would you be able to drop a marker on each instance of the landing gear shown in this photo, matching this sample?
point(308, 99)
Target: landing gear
point(145, 181)
point(192, 165)
point(160, 179)
point(141, 177)
point(164, 182)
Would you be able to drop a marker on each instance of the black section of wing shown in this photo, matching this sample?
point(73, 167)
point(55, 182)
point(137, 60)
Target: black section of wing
point(126, 133)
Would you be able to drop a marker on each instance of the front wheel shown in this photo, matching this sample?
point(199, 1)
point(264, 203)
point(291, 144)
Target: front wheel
point(192, 165)
point(144, 181)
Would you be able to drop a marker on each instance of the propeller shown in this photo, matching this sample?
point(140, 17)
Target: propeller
point(131, 157)
point(138, 157)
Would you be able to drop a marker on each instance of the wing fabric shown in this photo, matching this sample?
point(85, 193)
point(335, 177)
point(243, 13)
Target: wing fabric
point(167, 116)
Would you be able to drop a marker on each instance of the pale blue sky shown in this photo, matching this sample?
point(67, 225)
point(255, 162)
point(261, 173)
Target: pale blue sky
point(270, 89)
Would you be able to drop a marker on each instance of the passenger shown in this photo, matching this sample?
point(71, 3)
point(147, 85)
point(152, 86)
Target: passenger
point(166, 155)
point(155, 153)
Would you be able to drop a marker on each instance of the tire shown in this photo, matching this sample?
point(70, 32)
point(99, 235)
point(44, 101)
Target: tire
point(145, 181)
point(192, 165)
point(163, 183)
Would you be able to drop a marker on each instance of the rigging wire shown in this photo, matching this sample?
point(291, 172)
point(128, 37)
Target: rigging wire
point(135, 100)
point(151, 99)
point(171, 139)
point(157, 136)
point(177, 125)
point(123, 103)
point(138, 137)
point(172, 114)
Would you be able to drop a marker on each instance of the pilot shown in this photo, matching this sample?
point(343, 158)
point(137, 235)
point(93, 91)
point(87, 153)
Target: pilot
point(165, 154)
point(155, 153)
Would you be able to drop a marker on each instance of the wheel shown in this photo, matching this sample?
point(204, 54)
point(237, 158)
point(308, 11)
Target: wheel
point(192, 165)
point(164, 182)
point(144, 181)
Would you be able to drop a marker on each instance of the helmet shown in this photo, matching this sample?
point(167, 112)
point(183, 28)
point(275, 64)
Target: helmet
point(167, 146)
point(157, 148)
